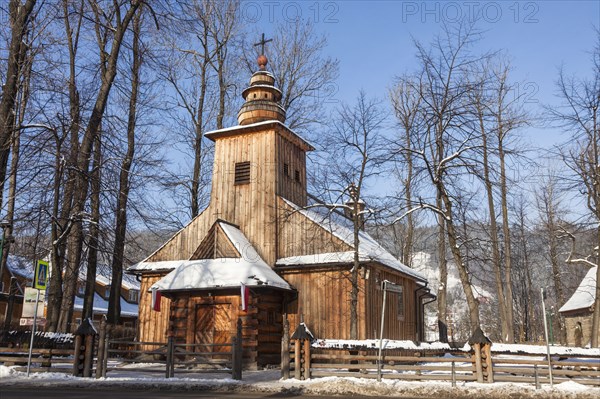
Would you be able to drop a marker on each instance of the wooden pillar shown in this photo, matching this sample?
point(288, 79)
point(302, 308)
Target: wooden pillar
point(482, 356)
point(307, 359)
point(88, 360)
point(100, 363)
point(478, 367)
point(487, 353)
point(297, 359)
point(236, 369)
point(285, 349)
point(78, 356)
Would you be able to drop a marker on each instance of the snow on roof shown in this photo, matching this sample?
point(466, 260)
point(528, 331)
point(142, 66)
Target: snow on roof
point(250, 269)
point(20, 266)
point(220, 273)
point(584, 295)
point(166, 265)
point(101, 306)
point(369, 248)
point(320, 259)
point(252, 125)
point(104, 277)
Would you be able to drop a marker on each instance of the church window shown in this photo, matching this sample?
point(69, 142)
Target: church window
point(133, 296)
point(297, 176)
point(286, 170)
point(242, 173)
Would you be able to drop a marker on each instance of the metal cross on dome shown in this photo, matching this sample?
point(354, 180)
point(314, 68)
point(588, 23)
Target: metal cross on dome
point(262, 43)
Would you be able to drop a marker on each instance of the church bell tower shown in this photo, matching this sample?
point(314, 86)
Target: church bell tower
point(257, 161)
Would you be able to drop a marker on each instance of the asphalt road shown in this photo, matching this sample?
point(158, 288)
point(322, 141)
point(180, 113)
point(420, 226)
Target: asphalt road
point(78, 393)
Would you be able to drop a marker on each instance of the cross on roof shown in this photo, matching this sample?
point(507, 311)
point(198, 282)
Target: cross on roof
point(262, 43)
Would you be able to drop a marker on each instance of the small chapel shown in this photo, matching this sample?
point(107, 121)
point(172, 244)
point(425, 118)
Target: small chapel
point(259, 253)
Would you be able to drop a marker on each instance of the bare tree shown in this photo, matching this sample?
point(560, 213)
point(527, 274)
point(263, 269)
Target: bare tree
point(305, 76)
point(446, 144)
point(20, 20)
point(579, 112)
point(200, 68)
point(114, 301)
point(116, 21)
point(356, 147)
point(549, 208)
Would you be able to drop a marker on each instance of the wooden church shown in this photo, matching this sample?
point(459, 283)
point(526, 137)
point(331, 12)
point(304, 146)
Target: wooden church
point(258, 235)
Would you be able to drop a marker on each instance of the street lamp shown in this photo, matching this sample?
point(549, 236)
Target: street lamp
point(4, 224)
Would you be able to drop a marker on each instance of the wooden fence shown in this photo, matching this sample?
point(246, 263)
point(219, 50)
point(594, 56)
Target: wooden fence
point(171, 357)
point(42, 360)
point(301, 360)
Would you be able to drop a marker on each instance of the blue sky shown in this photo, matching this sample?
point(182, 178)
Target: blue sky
point(373, 39)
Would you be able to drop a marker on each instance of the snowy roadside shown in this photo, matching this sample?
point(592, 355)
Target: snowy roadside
point(268, 381)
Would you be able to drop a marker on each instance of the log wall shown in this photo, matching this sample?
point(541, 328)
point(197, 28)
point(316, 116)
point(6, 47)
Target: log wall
point(261, 322)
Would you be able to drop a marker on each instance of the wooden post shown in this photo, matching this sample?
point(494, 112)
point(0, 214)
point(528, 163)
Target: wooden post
point(285, 349)
point(106, 347)
point(297, 360)
point(101, 349)
point(537, 377)
point(307, 359)
point(478, 368)
point(453, 375)
point(169, 357)
point(77, 355)
point(236, 368)
point(88, 359)
point(487, 351)
point(478, 341)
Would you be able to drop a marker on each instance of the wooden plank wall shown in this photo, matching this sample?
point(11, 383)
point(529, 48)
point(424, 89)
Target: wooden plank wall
point(298, 235)
point(183, 244)
point(324, 302)
point(395, 328)
point(287, 186)
point(251, 206)
point(152, 325)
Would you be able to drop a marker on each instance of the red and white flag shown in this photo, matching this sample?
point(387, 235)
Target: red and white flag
point(245, 293)
point(156, 300)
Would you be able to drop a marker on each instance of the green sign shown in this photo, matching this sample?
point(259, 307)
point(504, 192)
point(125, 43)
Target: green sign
point(40, 278)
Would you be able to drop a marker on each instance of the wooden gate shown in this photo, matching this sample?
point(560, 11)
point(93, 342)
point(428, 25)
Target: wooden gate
point(213, 327)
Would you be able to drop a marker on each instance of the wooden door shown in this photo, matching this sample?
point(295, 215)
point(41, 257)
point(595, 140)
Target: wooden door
point(213, 327)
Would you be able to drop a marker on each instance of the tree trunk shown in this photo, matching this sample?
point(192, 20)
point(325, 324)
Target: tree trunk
point(493, 232)
point(83, 160)
point(94, 232)
point(20, 20)
point(463, 273)
point(114, 303)
point(508, 297)
point(442, 292)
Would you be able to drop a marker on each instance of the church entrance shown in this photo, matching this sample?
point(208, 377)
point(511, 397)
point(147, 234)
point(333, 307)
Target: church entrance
point(213, 326)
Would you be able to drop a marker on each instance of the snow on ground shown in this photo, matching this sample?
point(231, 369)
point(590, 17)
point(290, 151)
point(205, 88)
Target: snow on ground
point(268, 381)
